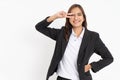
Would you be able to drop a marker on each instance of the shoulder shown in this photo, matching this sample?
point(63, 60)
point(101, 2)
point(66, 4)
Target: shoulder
point(93, 33)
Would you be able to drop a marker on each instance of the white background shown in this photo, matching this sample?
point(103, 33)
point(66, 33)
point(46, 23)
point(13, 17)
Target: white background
point(25, 53)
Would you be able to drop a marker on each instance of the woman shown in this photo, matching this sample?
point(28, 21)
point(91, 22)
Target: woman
point(75, 44)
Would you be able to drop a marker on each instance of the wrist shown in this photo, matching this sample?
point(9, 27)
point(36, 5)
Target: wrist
point(54, 17)
point(51, 18)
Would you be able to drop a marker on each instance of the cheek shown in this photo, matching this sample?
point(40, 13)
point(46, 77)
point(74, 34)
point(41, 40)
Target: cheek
point(82, 18)
point(71, 20)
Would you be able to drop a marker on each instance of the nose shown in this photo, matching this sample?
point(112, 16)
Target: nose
point(75, 16)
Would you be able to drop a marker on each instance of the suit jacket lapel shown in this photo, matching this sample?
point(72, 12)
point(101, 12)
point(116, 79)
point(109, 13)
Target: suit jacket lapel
point(64, 43)
point(83, 45)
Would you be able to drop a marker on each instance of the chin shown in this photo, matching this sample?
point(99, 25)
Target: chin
point(77, 25)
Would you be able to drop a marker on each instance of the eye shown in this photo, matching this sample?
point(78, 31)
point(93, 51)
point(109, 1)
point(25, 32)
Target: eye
point(79, 14)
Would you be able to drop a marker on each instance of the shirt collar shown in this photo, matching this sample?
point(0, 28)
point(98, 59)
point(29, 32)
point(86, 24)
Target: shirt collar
point(81, 35)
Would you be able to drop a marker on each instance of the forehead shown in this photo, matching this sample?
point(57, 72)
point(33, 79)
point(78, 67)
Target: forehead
point(76, 10)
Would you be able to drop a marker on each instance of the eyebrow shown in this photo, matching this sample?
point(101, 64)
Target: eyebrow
point(77, 14)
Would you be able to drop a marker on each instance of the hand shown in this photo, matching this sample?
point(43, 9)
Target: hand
point(63, 14)
point(87, 67)
point(60, 14)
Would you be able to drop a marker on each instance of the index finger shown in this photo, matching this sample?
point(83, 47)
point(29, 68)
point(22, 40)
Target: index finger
point(69, 15)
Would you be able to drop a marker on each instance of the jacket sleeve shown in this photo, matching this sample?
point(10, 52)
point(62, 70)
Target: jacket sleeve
point(43, 28)
point(105, 54)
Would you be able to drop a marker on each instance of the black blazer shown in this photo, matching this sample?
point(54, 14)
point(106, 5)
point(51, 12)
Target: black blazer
point(91, 43)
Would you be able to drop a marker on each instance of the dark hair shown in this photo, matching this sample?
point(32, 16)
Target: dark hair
point(68, 25)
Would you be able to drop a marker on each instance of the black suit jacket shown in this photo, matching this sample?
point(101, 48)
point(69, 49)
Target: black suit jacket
point(91, 43)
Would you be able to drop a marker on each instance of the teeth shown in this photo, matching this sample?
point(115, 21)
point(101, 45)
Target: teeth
point(76, 21)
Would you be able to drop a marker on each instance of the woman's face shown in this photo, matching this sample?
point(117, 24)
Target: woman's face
point(77, 18)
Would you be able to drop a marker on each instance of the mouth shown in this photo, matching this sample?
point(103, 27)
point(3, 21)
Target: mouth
point(75, 22)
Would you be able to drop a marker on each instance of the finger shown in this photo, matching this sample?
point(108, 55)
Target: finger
point(70, 14)
point(63, 14)
point(86, 68)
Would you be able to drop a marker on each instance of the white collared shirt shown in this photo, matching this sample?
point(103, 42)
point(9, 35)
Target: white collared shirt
point(67, 67)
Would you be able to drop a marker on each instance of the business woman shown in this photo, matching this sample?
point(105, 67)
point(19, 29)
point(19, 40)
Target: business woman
point(75, 44)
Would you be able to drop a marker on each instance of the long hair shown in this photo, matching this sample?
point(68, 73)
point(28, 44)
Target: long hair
point(68, 25)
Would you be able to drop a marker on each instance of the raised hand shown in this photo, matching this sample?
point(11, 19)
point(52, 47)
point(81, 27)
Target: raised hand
point(61, 14)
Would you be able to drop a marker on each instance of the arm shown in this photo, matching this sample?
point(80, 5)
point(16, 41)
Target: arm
point(101, 50)
point(43, 25)
point(43, 28)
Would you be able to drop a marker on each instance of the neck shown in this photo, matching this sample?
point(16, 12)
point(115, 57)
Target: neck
point(78, 30)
